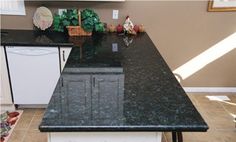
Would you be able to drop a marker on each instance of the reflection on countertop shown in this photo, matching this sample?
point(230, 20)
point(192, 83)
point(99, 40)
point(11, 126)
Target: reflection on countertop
point(13, 37)
point(143, 95)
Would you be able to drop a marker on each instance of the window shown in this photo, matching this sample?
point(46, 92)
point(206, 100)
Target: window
point(12, 7)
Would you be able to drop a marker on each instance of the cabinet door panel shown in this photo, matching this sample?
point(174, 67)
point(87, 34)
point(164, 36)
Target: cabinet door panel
point(64, 54)
point(107, 96)
point(78, 90)
point(5, 91)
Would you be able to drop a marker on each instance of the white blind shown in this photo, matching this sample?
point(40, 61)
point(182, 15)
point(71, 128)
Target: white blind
point(12, 7)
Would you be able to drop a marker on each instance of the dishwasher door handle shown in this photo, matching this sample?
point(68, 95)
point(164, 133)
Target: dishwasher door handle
point(63, 56)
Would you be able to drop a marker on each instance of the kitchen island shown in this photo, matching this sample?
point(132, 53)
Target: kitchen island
point(118, 88)
point(113, 88)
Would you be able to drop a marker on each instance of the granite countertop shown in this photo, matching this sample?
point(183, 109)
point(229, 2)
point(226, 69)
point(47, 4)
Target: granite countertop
point(33, 38)
point(151, 100)
point(95, 51)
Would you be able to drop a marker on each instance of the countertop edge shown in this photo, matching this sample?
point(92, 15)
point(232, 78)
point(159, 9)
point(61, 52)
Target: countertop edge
point(46, 44)
point(122, 129)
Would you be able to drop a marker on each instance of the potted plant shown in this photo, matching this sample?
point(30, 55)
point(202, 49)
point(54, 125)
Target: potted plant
point(67, 18)
point(91, 21)
point(78, 24)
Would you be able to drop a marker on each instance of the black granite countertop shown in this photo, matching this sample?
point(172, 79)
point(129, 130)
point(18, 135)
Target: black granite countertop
point(149, 99)
point(95, 51)
point(34, 38)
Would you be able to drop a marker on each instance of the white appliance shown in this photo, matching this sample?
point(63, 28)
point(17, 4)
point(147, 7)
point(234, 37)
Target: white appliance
point(34, 72)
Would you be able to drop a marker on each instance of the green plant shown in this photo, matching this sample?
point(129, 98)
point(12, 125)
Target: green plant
point(67, 18)
point(91, 21)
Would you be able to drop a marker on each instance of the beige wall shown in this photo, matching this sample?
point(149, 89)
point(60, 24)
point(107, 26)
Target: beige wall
point(180, 31)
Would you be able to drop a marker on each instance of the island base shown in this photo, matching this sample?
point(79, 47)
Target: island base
point(104, 137)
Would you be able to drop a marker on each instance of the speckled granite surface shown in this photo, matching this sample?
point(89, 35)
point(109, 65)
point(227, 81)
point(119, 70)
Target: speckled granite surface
point(152, 99)
point(147, 97)
point(101, 50)
point(33, 38)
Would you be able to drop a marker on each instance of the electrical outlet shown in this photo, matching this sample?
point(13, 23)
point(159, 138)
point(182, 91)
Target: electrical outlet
point(114, 47)
point(115, 14)
point(60, 11)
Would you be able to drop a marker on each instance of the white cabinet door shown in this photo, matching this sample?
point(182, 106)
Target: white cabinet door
point(64, 54)
point(5, 95)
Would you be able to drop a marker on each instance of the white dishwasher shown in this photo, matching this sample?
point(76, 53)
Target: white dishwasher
point(34, 72)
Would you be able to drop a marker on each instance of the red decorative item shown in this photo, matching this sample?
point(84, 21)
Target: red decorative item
point(13, 114)
point(119, 28)
point(12, 120)
point(136, 28)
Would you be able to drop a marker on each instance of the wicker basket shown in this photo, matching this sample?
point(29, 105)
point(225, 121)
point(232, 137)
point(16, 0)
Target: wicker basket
point(77, 30)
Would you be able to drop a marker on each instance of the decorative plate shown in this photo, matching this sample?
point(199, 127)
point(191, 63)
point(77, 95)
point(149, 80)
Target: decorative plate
point(42, 18)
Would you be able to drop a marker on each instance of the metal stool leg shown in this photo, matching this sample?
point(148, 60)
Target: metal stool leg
point(174, 137)
point(180, 136)
point(177, 137)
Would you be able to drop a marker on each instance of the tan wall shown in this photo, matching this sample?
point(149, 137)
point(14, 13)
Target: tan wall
point(180, 31)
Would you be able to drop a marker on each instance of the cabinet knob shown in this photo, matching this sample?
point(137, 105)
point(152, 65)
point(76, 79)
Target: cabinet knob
point(93, 81)
point(62, 84)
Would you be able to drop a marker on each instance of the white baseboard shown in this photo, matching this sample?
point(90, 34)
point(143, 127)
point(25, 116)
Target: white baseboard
point(210, 89)
point(7, 107)
point(32, 106)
